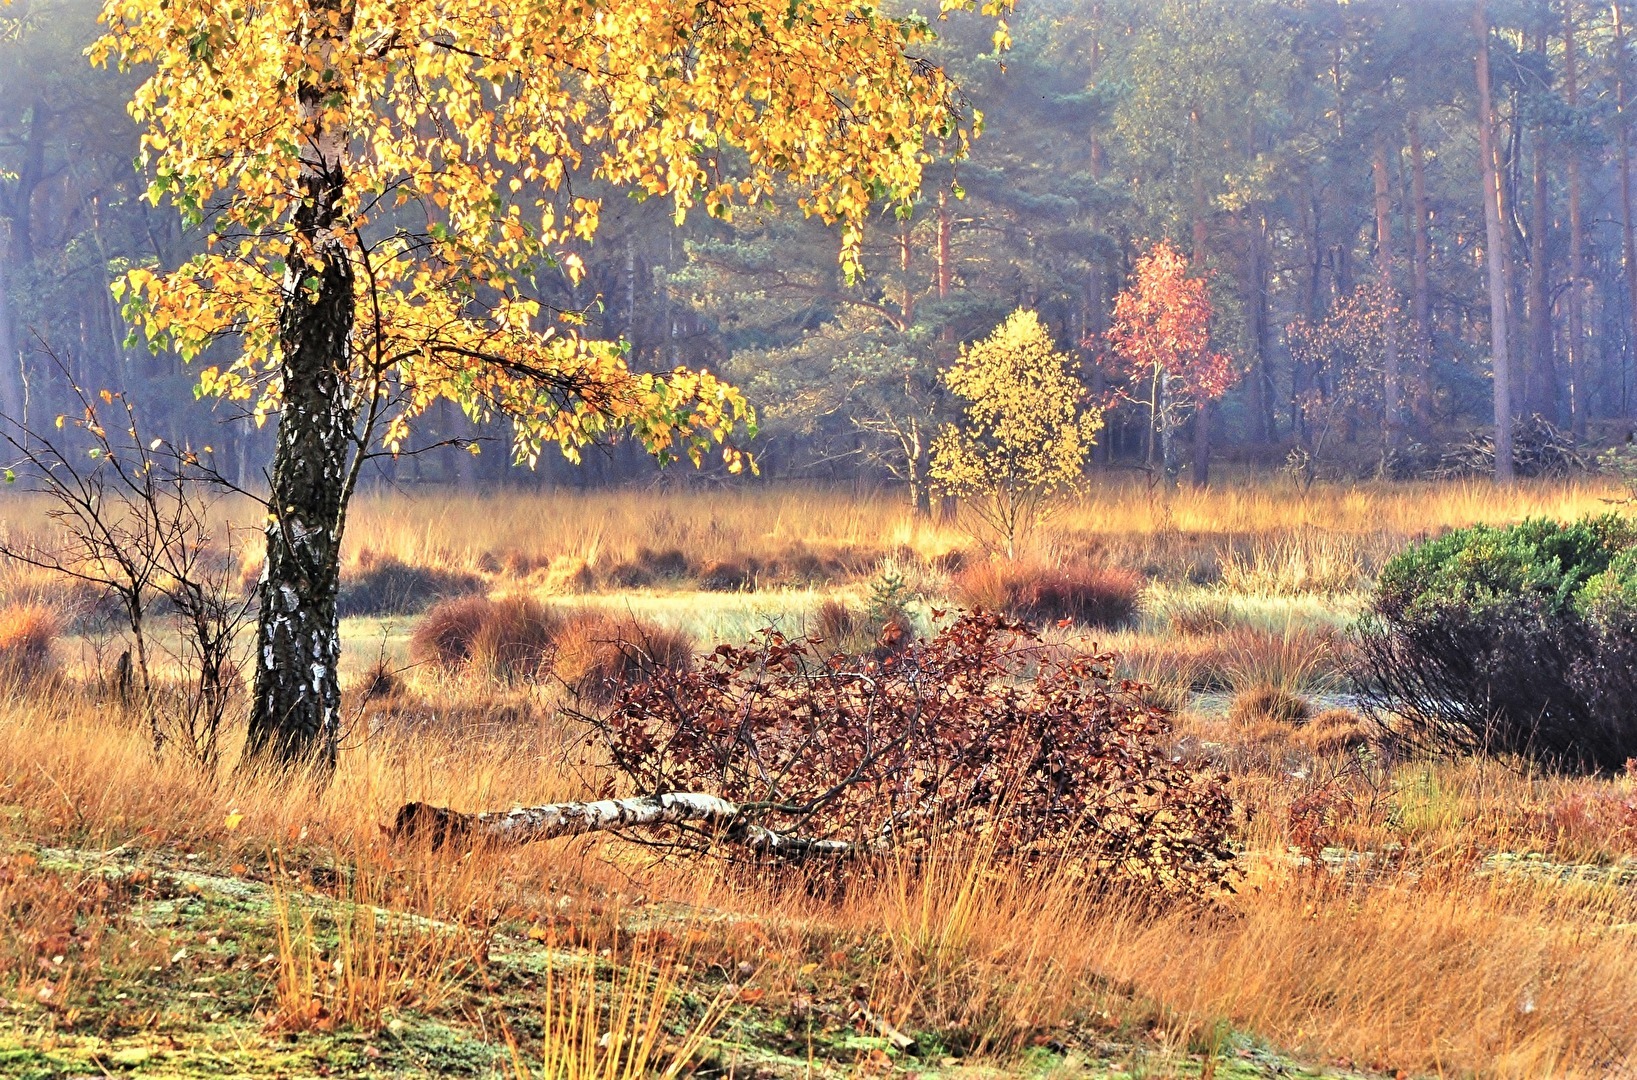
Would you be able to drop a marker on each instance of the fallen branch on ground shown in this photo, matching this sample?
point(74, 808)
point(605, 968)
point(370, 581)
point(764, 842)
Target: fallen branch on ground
point(526, 824)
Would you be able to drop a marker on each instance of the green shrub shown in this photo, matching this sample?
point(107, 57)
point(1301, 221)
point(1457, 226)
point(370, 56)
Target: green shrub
point(1520, 639)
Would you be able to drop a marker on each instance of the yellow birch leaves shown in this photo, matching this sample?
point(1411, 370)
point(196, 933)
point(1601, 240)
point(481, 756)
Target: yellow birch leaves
point(474, 136)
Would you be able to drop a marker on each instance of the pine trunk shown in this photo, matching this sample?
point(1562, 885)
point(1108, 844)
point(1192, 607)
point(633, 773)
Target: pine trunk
point(1421, 299)
point(11, 372)
point(1623, 132)
point(1494, 256)
point(1577, 268)
point(1542, 364)
point(1391, 421)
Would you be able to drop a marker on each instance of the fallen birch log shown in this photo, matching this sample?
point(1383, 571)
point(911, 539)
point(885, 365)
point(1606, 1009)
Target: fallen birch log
point(527, 824)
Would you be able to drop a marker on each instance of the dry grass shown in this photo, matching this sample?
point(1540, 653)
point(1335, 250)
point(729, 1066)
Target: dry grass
point(505, 639)
point(1321, 536)
point(1335, 731)
point(1270, 704)
point(1423, 966)
point(28, 631)
point(1407, 949)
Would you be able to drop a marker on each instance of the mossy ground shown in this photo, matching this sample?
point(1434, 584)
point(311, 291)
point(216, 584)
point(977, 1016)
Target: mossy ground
point(172, 967)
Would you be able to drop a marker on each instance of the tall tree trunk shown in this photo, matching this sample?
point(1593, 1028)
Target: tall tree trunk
point(11, 372)
point(1494, 255)
point(631, 294)
point(1623, 132)
point(1094, 55)
point(1391, 422)
point(1577, 268)
point(1202, 413)
point(906, 263)
point(30, 174)
point(1421, 292)
point(296, 712)
point(946, 228)
point(1256, 281)
point(1542, 364)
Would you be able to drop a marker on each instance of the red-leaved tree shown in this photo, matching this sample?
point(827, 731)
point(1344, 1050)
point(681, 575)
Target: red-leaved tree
point(1160, 345)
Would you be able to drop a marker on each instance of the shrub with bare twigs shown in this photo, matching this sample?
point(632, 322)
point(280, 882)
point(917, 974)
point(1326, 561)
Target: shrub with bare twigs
point(976, 730)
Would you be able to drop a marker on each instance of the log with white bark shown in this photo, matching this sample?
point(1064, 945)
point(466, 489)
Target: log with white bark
point(727, 820)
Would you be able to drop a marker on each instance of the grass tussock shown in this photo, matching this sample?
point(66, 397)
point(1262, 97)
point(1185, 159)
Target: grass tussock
point(385, 585)
point(1268, 704)
point(597, 653)
point(1335, 731)
point(1097, 596)
point(506, 639)
point(28, 633)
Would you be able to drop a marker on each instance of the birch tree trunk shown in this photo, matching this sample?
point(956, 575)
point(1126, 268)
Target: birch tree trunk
point(295, 711)
point(528, 824)
point(1494, 247)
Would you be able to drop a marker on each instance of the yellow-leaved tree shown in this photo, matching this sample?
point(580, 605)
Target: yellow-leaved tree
point(1025, 430)
point(383, 182)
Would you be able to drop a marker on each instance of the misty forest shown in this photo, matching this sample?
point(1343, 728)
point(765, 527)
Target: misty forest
point(791, 538)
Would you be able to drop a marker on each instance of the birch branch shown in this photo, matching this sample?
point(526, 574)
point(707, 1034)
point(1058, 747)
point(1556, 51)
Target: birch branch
point(527, 824)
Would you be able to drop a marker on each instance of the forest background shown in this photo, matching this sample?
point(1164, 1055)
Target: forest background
point(1319, 163)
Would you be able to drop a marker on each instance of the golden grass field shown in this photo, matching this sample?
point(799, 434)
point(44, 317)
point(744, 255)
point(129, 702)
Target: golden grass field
point(1397, 916)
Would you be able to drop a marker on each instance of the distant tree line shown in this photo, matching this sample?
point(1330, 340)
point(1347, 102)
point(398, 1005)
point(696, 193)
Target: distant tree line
point(1326, 167)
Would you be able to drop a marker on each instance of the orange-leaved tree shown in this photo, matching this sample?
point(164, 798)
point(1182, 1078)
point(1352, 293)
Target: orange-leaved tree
point(1160, 339)
point(383, 183)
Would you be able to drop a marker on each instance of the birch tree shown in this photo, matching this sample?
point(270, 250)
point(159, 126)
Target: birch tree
point(384, 185)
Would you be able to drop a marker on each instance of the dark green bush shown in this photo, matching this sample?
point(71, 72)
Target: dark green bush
point(1519, 639)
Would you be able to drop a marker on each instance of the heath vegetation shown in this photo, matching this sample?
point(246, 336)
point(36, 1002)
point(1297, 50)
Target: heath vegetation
point(1144, 582)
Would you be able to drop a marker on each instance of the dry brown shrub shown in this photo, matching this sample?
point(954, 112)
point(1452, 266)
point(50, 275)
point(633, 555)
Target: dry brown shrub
point(27, 633)
point(1601, 818)
point(599, 654)
point(977, 731)
point(1091, 595)
point(1268, 703)
point(511, 638)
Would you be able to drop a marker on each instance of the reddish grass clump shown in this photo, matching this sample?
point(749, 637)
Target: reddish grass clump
point(836, 622)
point(1598, 818)
point(27, 633)
point(1335, 731)
point(511, 638)
point(598, 655)
point(1091, 595)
